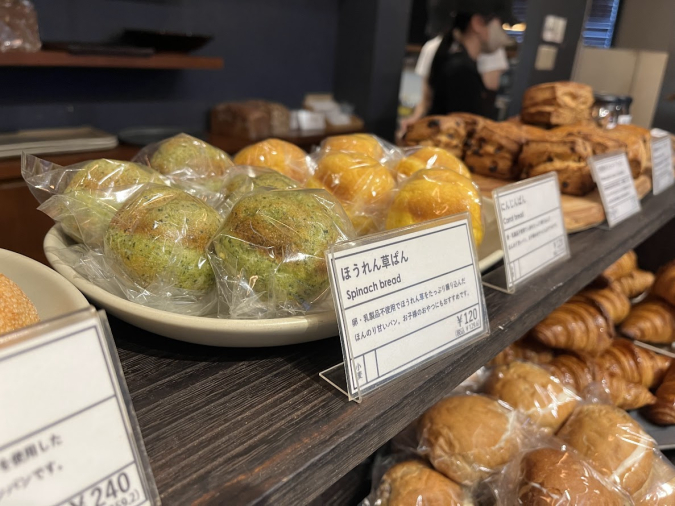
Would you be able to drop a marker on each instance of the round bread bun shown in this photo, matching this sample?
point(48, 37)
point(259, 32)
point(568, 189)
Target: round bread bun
point(363, 144)
point(550, 476)
point(16, 309)
point(431, 157)
point(435, 193)
point(533, 391)
point(276, 154)
point(104, 173)
point(468, 437)
point(612, 442)
point(413, 482)
point(184, 153)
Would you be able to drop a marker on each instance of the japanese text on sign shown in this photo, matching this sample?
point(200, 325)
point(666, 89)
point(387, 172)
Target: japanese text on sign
point(532, 227)
point(406, 298)
point(612, 174)
point(662, 161)
point(67, 441)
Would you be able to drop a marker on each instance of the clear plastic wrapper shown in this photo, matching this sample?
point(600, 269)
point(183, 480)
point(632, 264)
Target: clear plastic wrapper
point(84, 197)
point(18, 26)
point(659, 490)
point(429, 157)
point(269, 255)
point(534, 392)
point(364, 144)
point(469, 437)
point(435, 193)
point(281, 156)
point(155, 250)
point(363, 185)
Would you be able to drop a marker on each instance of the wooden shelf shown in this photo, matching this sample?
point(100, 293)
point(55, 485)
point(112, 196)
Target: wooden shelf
point(260, 426)
point(64, 59)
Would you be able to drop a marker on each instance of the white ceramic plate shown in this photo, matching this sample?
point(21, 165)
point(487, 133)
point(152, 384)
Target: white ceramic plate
point(232, 333)
point(50, 292)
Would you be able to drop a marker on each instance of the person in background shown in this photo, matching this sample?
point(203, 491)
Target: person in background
point(464, 75)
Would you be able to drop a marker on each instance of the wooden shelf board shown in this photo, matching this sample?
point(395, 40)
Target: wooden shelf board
point(64, 59)
point(259, 425)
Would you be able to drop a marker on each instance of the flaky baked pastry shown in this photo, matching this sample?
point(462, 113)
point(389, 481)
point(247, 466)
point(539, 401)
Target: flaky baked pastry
point(626, 264)
point(558, 103)
point(493, 150)
point(635, 283)
point(576, 325)
point(16, 309)
point(651, 321)
point(525, 348)
point(613, 303)
point(634, 363)
point(662, 412)
point(447, 132)
point(664, 285)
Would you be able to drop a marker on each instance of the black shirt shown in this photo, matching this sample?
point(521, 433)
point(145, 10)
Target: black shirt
point(457, 86)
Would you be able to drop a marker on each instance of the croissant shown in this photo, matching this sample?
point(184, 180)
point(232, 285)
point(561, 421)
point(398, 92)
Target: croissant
point(663, 411)
point(578, 373)
point(577, 326)
point(622, 267)
point(526, 349)
point(634, 363)
point(651, 321)
point(634, 284)
point(664, 286)
point(613, 303)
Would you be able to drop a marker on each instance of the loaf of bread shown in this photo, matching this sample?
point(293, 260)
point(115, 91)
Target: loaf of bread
point(558, 103)
point(634, 363)
point(16, 309)
point(613, 303)
point(660, 487)
point(554, 477)
point(413, 482)
point(472, 122)
point(577, 326)
point(664, 285)
point(447, 132)
point(493, 150)
point(252, 119)
point(612, 442)
point(626, 264)
point(468, 437)
point(532, 390)
point(662, 412)
point(637, 150)
point(650, 321)
point(635, 283)
point(567, 156)
point(643, 134)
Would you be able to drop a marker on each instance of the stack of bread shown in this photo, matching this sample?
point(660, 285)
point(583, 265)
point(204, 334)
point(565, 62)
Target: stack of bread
point(556, 104)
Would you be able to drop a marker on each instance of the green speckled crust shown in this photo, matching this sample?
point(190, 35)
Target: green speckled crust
point(103, 173)
point(161, 235)
point(276, 242)
point(183, 152)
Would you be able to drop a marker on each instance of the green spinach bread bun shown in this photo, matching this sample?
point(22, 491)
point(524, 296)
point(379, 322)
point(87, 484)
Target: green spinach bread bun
point(269, 253)
point(184, 155)
point(158, 239)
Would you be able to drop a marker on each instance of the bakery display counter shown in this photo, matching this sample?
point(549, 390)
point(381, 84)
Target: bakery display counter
point(259, 425)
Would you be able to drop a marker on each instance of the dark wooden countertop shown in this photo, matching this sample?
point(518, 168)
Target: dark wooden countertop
point(237, 426)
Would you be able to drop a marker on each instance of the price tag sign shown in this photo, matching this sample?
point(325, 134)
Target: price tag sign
point(662, 161)
point(611, 173)
point(68, 436)
point(532, 227)
point(405, 297)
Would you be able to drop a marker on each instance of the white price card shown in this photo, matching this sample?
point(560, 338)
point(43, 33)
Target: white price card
point(532, 227)
point(67, 432)
point(611, 173)
point(662, 161)
point(405, 297)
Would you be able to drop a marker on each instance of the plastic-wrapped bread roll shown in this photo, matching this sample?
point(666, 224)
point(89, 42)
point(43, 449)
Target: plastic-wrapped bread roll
point(660, 487)
point(664, 285)
point(469, 437)
point(16, 309)
point(534, 392)
point(634, 363)
point(614, 304)
point(612, 442)
point(429, 157)
point(626, 264)
point(650, 321)
point(276, 154)
point(634, 284)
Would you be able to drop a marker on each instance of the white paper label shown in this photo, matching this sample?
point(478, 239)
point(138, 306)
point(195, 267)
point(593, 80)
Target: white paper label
point(404, 298)
point(65, 436)
point(662, 162)
point(612, 174)
point(532, 227)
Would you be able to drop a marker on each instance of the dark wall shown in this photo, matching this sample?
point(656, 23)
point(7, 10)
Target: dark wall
point(526, 75)
point(272, 49)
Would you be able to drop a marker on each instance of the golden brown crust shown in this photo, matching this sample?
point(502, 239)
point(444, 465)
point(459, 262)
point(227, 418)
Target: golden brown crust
point(626, 264)
point(634, 363)
point(16, 309)
point(413, 482)
point(447, 132)
point(550, 476)
point(526, 349)
point(468, 437)
point(636, 150)
point(559, 103)
point(493, 150)
point(532, 390)
point(613, 303)
point(664, 285)
point(612, 442)
point(662, 412)
point(577, 326)
point(651, 321)
point(472, 122)
point(635, 283)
